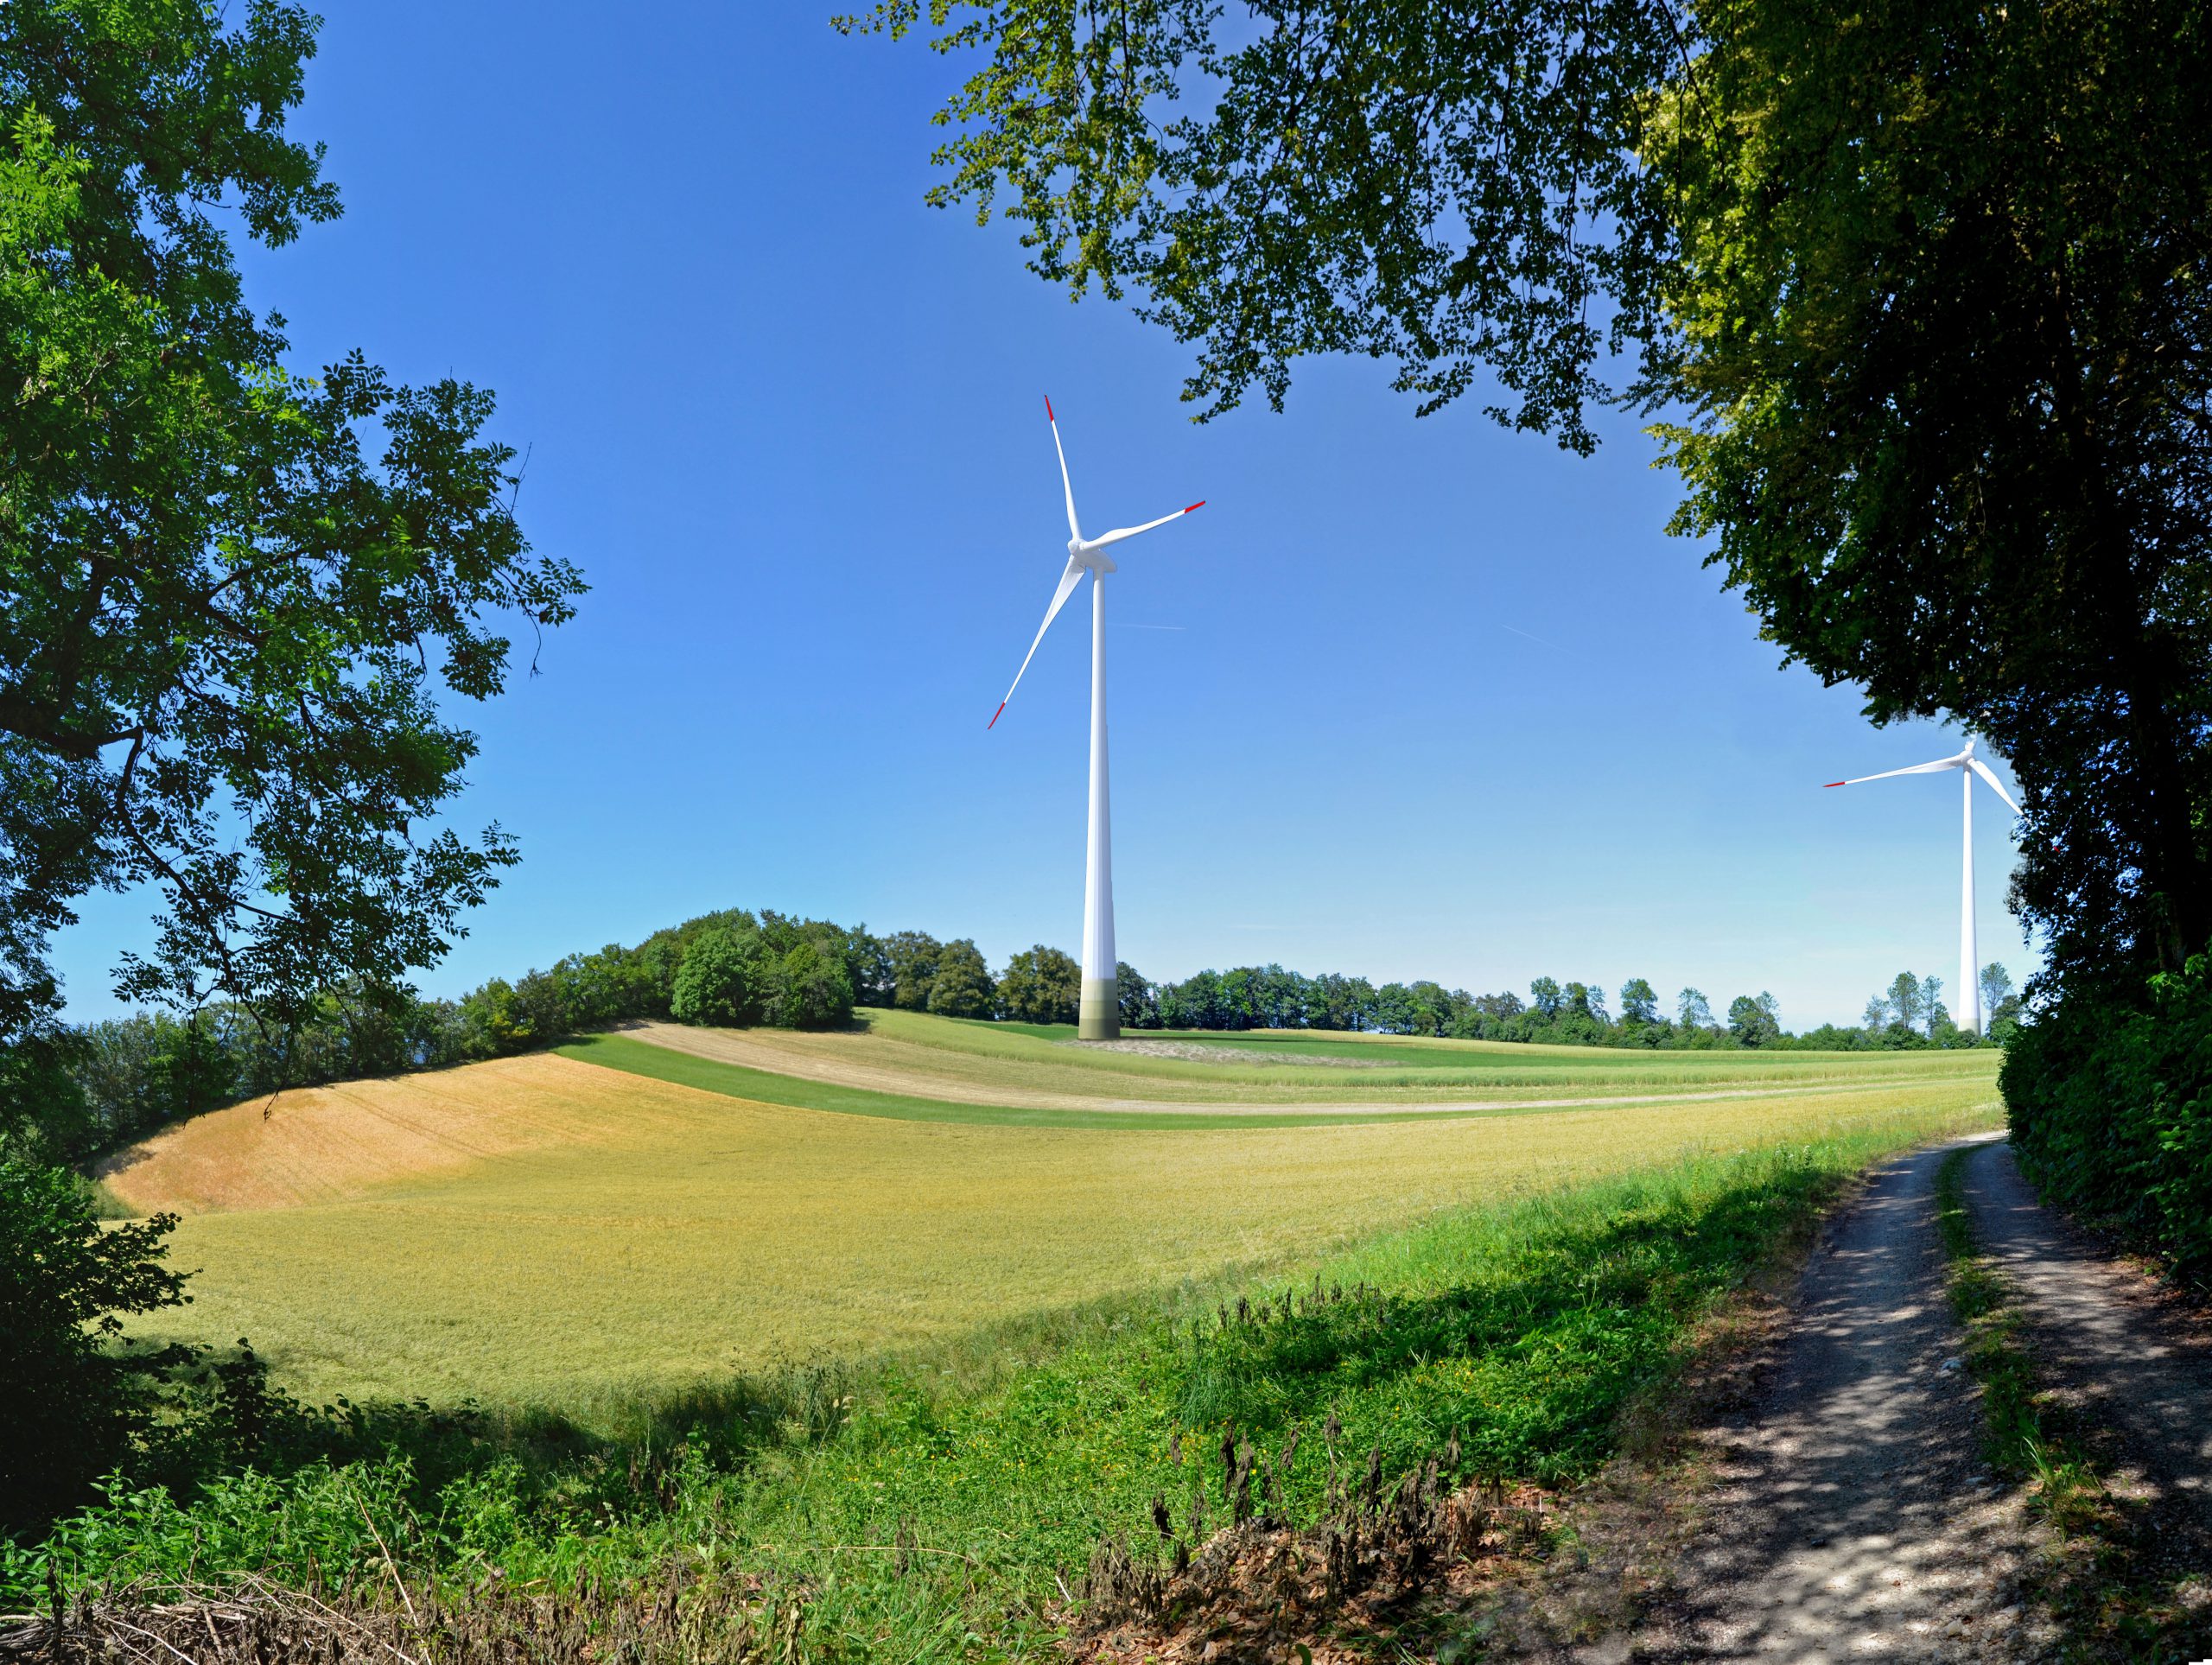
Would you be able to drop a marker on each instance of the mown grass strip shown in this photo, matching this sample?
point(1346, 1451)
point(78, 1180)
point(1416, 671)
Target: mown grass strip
point(617, 1052)
point(1994, 1353)
point(765, 1087)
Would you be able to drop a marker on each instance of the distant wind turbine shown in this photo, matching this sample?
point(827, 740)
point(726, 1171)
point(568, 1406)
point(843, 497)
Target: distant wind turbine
point(1969, 766)
point(1100, 1012)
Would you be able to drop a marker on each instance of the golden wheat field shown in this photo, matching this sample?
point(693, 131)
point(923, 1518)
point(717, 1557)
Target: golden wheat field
point(547, 1231)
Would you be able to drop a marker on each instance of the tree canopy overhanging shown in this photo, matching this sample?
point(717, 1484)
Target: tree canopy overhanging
point(1914, 296)
point(232, 595)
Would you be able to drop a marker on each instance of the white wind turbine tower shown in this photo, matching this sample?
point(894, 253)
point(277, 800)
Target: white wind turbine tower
point(1100, 1011)
point(1969, 766)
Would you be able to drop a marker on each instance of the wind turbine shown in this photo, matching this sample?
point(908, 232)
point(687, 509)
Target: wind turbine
point(1969, 766)
point(1100, 1013)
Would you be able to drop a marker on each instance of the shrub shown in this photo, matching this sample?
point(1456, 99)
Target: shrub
point(725, 980)
point(2110, 1096)
point(71, 1407)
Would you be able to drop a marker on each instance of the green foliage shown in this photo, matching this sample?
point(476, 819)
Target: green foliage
point(1138, 1000)
point(2110, 1093)
point(87, 1091)
point(1921, 483)
point(1041, 985)
point(1752, 1020)
point(812, 989)
point(725, 980)
point(73, 1404)
point(914, 959)
point(235, 594)
point(1639, 1001)
point(962, 988)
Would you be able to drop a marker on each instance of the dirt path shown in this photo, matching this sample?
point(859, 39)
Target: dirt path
point(1852, 1518)
point(2132, 1367)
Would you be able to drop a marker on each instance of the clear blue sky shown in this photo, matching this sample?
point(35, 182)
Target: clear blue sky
point(1417, 698)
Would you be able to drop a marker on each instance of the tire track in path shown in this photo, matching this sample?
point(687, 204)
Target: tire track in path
point(2131, 1366)
point(1852, 1517)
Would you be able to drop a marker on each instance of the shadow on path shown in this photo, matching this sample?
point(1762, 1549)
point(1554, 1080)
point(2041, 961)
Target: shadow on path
point(2131, 1372)
point(1853, 1518)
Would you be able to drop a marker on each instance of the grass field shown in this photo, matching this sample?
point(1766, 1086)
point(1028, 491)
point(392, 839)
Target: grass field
point(548, 1231)
point(1039, 1065)
point(940, 1509)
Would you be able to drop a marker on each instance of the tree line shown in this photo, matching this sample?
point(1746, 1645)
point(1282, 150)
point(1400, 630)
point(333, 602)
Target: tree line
point(738, 968)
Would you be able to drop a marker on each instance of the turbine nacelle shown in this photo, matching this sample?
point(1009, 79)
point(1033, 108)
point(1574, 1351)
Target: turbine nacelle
point(1085, 554)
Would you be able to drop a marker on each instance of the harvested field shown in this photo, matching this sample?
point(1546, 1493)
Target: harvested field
point(542, 1231)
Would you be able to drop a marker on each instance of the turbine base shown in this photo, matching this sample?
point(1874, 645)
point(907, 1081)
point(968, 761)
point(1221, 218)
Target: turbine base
point(1100, 1015)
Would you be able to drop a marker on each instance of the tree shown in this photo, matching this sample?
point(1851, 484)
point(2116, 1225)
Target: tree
point(1996, 986)
point(1639, 1001)
point(1922, 289)
point(233, 602)
point(1876, 1015)
point(1907, 1003)
point(1752, 1020)
point(1138, 1000)
point(867, 962)
point(233, 595)
point(1394, 1013)
point(726, 980)
point(2001, 1006)
point(1041, 985)
point(1544, 999)
point(1933, 1012)
point(962, 988)
point(72, 1401)
point(1691, 1010)
point(913, 955)
point(812, 989)
point(1587, 1000)
point(1337, 1001)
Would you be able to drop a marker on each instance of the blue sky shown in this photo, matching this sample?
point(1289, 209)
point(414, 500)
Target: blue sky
point(1413, 698)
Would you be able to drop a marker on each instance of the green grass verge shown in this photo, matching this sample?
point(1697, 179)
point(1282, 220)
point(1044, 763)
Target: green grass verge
point(936, 1511)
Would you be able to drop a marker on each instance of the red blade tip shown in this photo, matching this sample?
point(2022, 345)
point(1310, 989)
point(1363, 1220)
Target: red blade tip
point(1048, 410)
point(1200, 504)
point(1826, 784)
point(993, 722)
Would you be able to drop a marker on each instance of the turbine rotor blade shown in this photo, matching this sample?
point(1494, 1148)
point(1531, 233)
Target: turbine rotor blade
point(1121, 532)
point(1936, 767)
point(1996, 786)
point(1068, 580)
point(1074, 530)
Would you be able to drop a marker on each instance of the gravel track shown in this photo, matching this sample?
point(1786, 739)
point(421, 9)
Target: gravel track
point(2132, 1365)
point(1852, 1517)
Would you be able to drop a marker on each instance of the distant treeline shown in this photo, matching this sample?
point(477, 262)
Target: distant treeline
point(739, 968)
